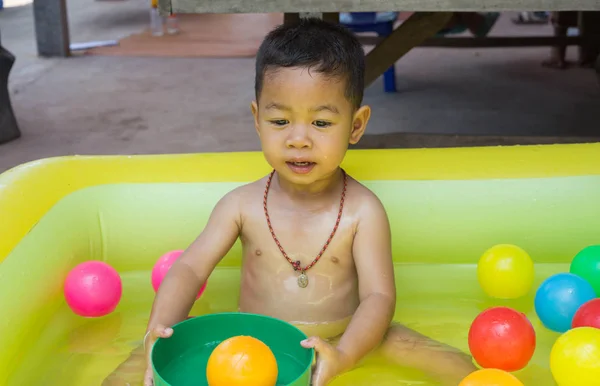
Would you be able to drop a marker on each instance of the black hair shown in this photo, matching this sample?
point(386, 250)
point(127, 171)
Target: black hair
point(312, 43)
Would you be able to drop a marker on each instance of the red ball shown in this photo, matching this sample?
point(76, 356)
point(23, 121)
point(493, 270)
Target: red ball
point(502, 338)
point(588, 315)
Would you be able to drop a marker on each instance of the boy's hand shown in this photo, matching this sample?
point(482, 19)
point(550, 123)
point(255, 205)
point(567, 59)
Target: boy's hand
point(149, 339)
point(330, 361)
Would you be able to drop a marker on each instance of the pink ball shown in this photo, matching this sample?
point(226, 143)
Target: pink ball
point(163, 265)
point(93, 289)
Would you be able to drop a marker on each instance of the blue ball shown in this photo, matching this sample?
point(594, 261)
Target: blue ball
point(559, 297)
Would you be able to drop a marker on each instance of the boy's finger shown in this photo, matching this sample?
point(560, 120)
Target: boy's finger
point(162, 332)
point(314, 342)
point(309, 343)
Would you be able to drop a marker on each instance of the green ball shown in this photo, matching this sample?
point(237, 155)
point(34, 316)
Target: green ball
point(586, 264)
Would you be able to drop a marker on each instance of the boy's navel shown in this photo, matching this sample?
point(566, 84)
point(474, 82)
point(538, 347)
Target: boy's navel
point(335, 259)
point(258, 252)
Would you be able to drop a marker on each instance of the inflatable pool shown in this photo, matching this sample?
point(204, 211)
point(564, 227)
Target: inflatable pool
point(446, 207)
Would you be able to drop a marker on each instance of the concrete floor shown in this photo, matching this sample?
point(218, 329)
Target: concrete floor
point(127, 105)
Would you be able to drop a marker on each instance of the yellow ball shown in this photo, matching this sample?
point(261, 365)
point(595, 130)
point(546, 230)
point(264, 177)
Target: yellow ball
point(505, 271)
point(575, 357)
point(242, 360)
point(490, 377)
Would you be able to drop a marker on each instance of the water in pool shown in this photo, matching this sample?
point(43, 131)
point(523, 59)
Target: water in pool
point(437, 300)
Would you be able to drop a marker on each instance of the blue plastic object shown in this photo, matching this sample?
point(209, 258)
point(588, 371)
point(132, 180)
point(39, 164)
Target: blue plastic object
point(381, 23)
point(559, 297)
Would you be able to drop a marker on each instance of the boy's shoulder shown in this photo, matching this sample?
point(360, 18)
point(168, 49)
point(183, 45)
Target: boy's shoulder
point(241, 201)
point(363, 202)
point(361, 195)
point(371, 226)
point(252, 188)
point(246, 193)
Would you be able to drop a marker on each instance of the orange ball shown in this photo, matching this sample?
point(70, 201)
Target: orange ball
point(490, 377)
point(242, 360)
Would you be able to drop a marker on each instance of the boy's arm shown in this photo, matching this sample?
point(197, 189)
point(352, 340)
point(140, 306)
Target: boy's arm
point(181, 284)
point(372, 253)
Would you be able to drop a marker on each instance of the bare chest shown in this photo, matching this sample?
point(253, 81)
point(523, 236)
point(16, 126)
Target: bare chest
point(298, 263)
point(309, 243)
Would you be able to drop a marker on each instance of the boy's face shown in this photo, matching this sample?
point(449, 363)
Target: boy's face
point(305, 123)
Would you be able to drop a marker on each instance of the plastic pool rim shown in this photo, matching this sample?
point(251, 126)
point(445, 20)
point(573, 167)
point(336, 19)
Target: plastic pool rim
point(156, 374)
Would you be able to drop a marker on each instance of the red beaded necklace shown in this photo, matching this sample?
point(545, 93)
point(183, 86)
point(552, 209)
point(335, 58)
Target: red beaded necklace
point(303, 279)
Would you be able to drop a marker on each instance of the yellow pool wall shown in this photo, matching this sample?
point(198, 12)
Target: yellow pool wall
point(29, 190)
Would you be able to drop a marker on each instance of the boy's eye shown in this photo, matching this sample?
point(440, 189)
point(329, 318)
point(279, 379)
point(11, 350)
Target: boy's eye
point(322, 123)
point(279, 122)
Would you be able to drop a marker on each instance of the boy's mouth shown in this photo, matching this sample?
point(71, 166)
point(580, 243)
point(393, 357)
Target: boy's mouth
point(300, 167)
point(302, 163)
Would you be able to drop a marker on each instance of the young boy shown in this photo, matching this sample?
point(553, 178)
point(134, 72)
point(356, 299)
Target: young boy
point(316, 243)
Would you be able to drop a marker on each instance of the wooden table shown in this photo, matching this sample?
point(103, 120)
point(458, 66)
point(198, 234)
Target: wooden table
point(52, 32)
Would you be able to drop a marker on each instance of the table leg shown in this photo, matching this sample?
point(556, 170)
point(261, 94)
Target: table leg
point(51, 27)
point(589, 25)
point(411, 33)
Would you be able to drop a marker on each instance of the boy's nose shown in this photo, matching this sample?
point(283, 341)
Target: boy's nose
point(298, 138)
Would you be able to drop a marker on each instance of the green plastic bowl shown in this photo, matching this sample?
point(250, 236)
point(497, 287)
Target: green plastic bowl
point(181, 359)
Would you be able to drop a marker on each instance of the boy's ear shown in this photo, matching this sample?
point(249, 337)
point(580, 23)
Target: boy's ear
point(254, 108)
point(359, 124)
